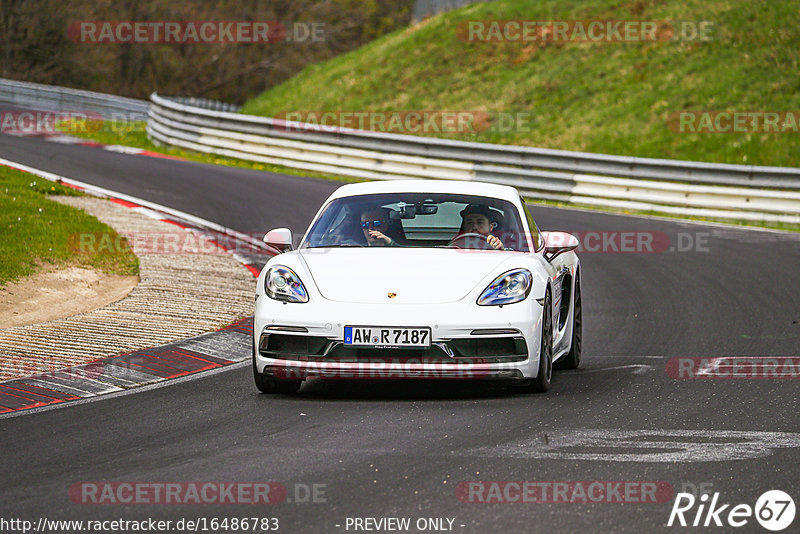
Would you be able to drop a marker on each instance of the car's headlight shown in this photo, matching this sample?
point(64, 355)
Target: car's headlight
point(507, 288)
point(281, 283)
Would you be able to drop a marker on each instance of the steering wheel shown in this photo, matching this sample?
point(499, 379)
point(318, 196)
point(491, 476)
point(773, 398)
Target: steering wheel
point(471, 240)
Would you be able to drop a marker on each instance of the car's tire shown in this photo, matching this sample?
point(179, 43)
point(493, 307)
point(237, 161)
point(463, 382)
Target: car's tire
point(572, 359)
point(268, 384)
point(541, 383)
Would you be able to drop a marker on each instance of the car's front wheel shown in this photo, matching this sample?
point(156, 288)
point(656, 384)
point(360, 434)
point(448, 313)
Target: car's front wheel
point(541, 383)
point(268, 384)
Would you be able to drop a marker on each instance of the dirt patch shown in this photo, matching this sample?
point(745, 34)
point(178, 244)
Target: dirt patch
point(57, 293)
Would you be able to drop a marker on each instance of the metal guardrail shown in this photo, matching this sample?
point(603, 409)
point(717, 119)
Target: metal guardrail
point(427, 8)
point(53, 98)
point(668, 186)
point(205, 103)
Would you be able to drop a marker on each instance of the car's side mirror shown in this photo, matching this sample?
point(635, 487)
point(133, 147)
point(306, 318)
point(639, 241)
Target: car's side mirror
point(557, 243)
point(280, 238)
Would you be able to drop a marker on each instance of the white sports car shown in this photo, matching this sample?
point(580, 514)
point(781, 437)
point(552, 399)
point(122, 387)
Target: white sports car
point(418, 279)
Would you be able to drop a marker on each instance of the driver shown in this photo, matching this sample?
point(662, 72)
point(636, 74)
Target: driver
point(478, 219)
point(373, 223)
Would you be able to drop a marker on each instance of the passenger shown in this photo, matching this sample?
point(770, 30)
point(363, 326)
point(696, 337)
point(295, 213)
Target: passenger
point(373, 223)
point(479, 219)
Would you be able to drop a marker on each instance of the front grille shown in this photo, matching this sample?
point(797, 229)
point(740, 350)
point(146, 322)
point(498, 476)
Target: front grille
point(291, 344)
point(489, 346)
point(343, 354)
point(316, 348)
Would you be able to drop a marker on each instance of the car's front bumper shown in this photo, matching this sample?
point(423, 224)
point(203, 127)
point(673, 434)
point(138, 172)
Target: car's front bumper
point(296, 341)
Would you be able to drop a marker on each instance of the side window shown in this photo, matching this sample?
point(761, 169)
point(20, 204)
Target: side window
point(536, 235)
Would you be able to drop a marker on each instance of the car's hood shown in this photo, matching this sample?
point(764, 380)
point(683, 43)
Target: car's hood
point(414, 276)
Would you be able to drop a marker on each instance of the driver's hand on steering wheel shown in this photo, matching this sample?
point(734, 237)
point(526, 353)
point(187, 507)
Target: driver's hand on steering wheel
point(494, 242)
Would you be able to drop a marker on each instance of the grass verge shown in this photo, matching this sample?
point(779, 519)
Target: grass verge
point(594, 96)
point(37, 231)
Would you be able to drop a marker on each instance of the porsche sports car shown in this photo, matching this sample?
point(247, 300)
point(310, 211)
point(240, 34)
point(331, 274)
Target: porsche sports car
point(418, 279)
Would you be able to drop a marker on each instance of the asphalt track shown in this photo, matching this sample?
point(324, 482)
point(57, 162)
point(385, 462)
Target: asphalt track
point(401, 449)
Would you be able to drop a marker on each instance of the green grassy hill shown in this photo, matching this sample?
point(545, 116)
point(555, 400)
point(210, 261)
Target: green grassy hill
point(613, 98)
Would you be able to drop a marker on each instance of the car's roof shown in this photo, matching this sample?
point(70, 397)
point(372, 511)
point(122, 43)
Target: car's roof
point(503, 192)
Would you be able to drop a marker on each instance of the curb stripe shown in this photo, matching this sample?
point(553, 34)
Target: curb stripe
point(17, 403)
point(198, 222)
point(209, 351)
point(216, 362)
point(62, 388)
point(25, 394)
point(213, 350)
point(55, 395)
point(252, 269)
point(152, 154)
point(64, 138)
point(187, 365)
point(124, 203)
point(176, 223)
point(181, 219)
point(186, 356)
point(137, 376)
point(153, 367)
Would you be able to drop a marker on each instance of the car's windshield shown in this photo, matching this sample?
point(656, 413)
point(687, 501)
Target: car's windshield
point(421, 220)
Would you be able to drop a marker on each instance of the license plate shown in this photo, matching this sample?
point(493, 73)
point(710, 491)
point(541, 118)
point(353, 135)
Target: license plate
point(386, 336)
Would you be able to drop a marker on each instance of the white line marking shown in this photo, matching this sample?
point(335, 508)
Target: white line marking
point(123, 149)
point(139, 389)
point(639, 369)
point(642, 445)
point(715, 365)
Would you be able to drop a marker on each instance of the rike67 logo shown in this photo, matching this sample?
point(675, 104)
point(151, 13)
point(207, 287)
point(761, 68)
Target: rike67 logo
point(774, 510)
